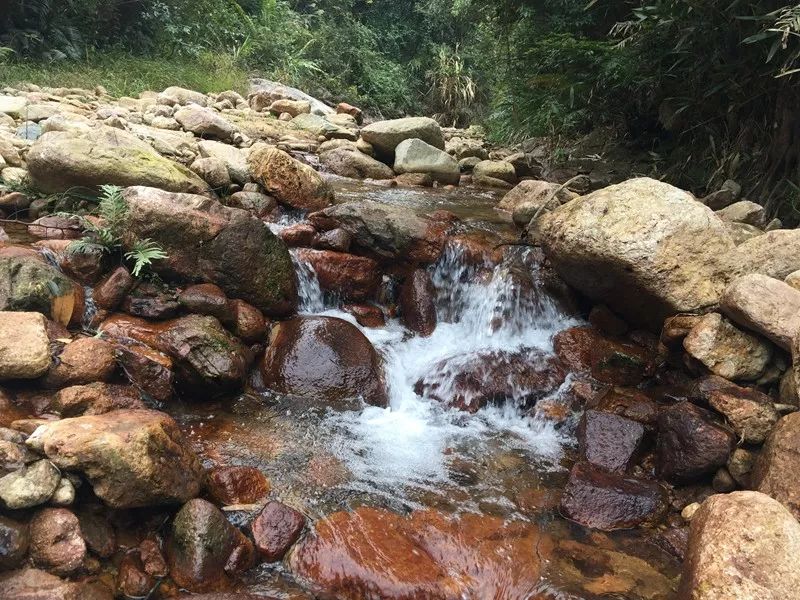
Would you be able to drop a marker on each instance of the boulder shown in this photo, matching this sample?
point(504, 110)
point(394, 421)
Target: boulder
point(34, 584)
point(777, 469)
point(205, 123)
point(132, 458)
point(416, 156)
point(337, 240)
point(178, 95)
point(237, 485)
point(271, 91)
point(14, 541)
point(234, 159)
point(276, 529)
point(290, 181)
point(417, 303)
point(765, 305)
point(529, 195)
point(354, 164)
point(773, 254)
point(24, 345)
point(61, 160)
point(385, 136)
point(29, 486)
point(82, 361)
point(742, 546)
point(603, 500)
point(30, 284)
point(745, 212)
point(750, 413)
point(690, 444)
point(646, 249)
point(249, 324)
point(147, 369)
point(13, 106)
point(354, 278)
point(293, 107)
point(206, 241)
point(323, 357)
point(488, 172)
point(207, 299)
point(112, 289)
point(609, 441)
point(56, 541)
point(94, 399)
point(214, 172)
point(726, 350)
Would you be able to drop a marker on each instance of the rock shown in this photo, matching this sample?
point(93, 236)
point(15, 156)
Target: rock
point(775, 470)
point(348, 109)
point(250, 326)
point(749, 412)
point(325, 358)
point(203, 548)
point(97, 530)
point(385, 136)
point(354, 164)
point(13, 106)
point(151, 301)
point(414, 180)
point(527, 198)
point(14, 541)
point(29, 486)
point(376, 553)
point(465, 147)
point(366, 315)
point(690, 444)
point(293, 107)
point(207, 299)
point(33, 584)
point(30, 284)
point(765, 305)
point(61, 160)
point(206, 241)
point(205, 123)
point(132, 581)
point(337, 240)
point(608, 501)
point(132, 458)
point(386, 231)
point(178, 95)
point(629, 403)
point(237, 485)
point(354, 278)
point(726, 561)
point(152, 558)
point(234, 159)
point(298, 235)
point(672, 267)
point(213, 171)
point(723, 482)
point(609, 441)
point(56, 542)
point(110, 292)
point(416, 156)
point(788, 392)
point(82, 361)
point(64, 494)
point(147, 369)
point(56, 227)
point(417, 303)
point(24, 345)
point(727, 351)
point(773, 254)
point(740, 465)
point(94, 399)
point(276, 529)
point(290, 181)
point(487, 172)
point(606, 321)
point(745, 212)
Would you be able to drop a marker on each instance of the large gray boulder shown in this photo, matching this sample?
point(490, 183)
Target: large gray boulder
point(61, 160)
point(208, 242)
point(386, 135)
point(350, 162)
point(416, 156)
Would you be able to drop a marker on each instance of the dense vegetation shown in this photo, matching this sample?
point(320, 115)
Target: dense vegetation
point(708, 87)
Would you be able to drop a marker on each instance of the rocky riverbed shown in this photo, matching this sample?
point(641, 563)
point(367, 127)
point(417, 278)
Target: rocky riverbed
point(380, 360)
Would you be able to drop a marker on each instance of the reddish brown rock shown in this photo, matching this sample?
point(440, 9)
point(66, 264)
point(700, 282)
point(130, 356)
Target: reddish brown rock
point(298, 235)
point(366, 315)
point(609, 441)
point(207, 299)
point(111, 291)
point(677, 328)
point(236, 485)
point(153, 559)
point(354, 278)
point(151, 301)
point(426, 556)
point(94, 399)
point(606, 321)
point(629, 403)
point(777, 469)
point(96, 530)
point(250, 326)
point(348, 109)
point(603, 500)
point(147, 369)
point(83, 361)
point(33, 584)
point(750, 413)
point(323, 357)
point(690, 444)
point(14, 541)
point(417, 303)
point(337, 240)
point(276, 529)
point(56, 541)
point(132, 581)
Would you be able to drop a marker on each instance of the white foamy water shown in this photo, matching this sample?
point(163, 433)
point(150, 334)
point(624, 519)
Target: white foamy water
point(410, 443)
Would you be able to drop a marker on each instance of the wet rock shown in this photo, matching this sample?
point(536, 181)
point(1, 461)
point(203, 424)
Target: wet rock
point(471, 381)
point(323, 357)
point(203, 548)
point(276, 529)
point(349, 162)
point(94, 399)
point(83, 361)
point(110, 292)
point(690, 444)
point(132, 581)
point(604, 500)
point(151, 301)
point(723, 482)
point(386, 135)
point(250, 326)
point(207, 299)
point(205, 123)
point(147, 369)
point(417, 303)
point(372, 552)
point(366, 315)
point(354, 278)
point(290, 181)
point(740, 465)
point(208, 242)
point(29, 486)
point(153, 559)
point(299, 235)
point(132, 458)
point(750, 413)
point(61, 160)
point(29, 284)
point(776, 470)
point(97, 531)
point(414, 180)
point(726, 350)
point(416, 156)
point(14, 541)
point(588, 242)
point(24, 346)
point(56, 542)
point(765, 305)
point(236, 485)
point(726, 560)
point(609, 441)
point(337, 240)
point(606, 321)
point(34, 584)
point(55, 227)
point(385, 231)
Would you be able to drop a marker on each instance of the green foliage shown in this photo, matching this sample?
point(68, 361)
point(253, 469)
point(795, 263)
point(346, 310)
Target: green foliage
point(143, 253)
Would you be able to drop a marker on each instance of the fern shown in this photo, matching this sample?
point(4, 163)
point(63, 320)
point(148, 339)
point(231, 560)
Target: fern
point(143, 253)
